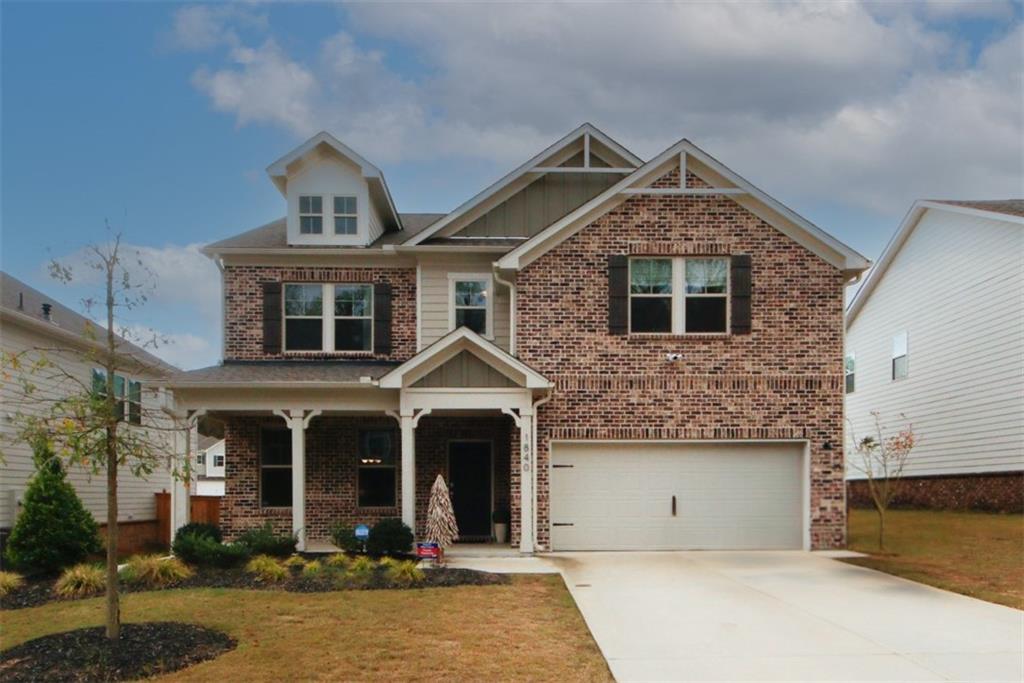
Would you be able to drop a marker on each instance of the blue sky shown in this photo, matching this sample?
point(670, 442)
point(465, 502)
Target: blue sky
point(163, 117)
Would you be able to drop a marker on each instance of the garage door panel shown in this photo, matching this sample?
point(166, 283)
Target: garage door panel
point(728, 496)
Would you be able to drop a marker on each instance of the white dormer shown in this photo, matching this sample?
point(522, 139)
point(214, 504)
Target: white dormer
point(335, 196)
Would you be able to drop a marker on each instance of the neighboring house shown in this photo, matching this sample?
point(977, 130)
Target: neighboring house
point(32, 321)
point(209, 479)
point(620, 354)
point(936, 333)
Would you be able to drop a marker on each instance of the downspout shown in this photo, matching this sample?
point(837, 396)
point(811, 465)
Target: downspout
point(533, 468)
point(223, 312)
point(511, 308)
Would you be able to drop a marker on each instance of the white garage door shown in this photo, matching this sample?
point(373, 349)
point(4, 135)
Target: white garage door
point(619, 496)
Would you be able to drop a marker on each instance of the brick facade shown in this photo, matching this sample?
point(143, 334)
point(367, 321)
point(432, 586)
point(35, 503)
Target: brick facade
point(782, 381)
point(243, 307)
point(331, 469)
point(989, 492)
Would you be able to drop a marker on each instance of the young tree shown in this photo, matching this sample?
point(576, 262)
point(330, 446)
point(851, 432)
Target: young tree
point(441, 526)
point(882, 459)
point(85, 418)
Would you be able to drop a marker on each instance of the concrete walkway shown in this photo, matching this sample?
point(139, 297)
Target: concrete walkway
point(746, 616)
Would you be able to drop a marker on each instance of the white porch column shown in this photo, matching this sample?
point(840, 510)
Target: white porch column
point(526, 493)
point(180, 486)
point(297, 421)
point(409, 470)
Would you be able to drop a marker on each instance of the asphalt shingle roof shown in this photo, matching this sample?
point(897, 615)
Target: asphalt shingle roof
point(262, 372)
point(274, 235)
point(1010, 207)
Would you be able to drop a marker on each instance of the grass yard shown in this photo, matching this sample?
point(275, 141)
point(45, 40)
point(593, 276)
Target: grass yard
point(529, 629)
point(974, 553)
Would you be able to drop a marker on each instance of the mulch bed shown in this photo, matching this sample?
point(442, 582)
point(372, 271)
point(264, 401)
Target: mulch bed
point(37, 592)
point(85, 654)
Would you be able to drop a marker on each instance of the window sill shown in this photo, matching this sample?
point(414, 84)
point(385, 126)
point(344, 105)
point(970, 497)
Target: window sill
point(276, 511)
point(331, 354)
point(654, 336)
point(376, 508)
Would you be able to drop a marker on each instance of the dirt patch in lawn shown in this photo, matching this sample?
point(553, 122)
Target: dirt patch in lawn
point(144, 650)
point(39, 591)
point(975, 553)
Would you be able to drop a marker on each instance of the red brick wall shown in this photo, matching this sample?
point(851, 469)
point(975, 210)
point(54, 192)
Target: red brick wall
point(992, 492)
point(783, 381)
point(243, 307)
point(331, 469)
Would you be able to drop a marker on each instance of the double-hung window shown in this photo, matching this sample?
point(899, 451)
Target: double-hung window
point(353, 317)
point(311, 215)
point(218, 460)
point(850, 370)
point(679, 295)
point(376, 478)
point(345, 216)
point(471, 302)
point(900, 356)
point(275, 468)
point(128, 393)
point(201, 458)
point(303, 314)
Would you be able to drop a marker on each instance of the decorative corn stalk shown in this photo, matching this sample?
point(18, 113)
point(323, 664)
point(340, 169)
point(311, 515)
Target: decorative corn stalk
point(441, 526)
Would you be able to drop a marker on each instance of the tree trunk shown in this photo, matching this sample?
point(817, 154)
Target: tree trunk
point(113, 599)
point(881, 529)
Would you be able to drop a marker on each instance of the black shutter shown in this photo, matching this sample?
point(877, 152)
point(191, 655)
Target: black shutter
point(740, 288)
point(271, 317)
point(382, 318)
point(618, 294)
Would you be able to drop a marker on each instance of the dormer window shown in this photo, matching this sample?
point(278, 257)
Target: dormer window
point(345, 216)
point(311, 215)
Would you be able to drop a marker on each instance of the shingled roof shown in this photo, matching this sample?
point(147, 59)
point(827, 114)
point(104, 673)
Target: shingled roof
point(281, 372)
point(274, 235)
point(1010, 207)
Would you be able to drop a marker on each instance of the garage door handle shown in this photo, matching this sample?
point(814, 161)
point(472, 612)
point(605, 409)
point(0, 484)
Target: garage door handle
point(673, 506)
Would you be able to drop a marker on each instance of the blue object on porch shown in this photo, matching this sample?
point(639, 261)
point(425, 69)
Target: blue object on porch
point(362, 532)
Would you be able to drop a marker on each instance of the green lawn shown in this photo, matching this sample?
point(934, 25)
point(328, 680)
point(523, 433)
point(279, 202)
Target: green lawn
point(974, 553)
point(529, 629)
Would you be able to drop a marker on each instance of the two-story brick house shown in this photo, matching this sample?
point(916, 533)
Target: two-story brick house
point(622, 354)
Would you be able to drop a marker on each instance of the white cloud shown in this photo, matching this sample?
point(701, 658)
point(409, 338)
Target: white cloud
point(204, 27)
point(864, 104)
point(183, 350)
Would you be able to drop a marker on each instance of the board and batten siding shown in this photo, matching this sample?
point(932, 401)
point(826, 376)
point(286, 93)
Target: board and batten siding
point(435, 298)
point(136, 501)
point(956, 287)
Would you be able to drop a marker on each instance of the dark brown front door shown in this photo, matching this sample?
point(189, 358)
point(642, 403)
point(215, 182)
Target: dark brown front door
point(469, 477)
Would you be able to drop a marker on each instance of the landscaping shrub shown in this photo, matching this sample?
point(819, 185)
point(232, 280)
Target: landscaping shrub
point(154, 571)
point(9, 581)
point(266, 568)
point(202, 529)
point(203, 551)
point(389, 537)
point(295, 563)
point(312, 569)
point(361, 570)
point(54, 530)
point(344, 536)
point(81, 580)
point(263, 541)
point(338, 561)
point(404, 574)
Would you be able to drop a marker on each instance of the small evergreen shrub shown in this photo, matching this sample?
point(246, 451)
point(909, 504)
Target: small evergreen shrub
point(54, 530)
point(81, 580)
point(266, 568)
point(154, 571)
point(263, 541)
point(9, 581)
point(404, 574)
point(344, 536)
point(203, 551)
point(389, 537)
point(202, 529)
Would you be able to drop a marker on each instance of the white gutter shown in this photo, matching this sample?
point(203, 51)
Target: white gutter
point(533, 469)
point(511, 309)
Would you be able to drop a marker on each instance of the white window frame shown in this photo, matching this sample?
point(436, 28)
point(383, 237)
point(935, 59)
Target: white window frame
point(336, 215)
point(849, 359)
point(679, 295)
point(311, 214)
point(201, 458)
point(348, 317)
point(487, 278)
point(124, 398)
point(894, 357)
point(218, 460)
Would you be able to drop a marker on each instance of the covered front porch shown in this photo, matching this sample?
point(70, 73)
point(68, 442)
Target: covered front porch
point(324, 449)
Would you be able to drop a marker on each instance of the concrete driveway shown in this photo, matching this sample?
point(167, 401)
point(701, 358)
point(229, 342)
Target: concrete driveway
point(755, 616)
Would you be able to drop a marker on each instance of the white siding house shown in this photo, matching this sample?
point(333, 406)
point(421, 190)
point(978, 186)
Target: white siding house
point(936, 334)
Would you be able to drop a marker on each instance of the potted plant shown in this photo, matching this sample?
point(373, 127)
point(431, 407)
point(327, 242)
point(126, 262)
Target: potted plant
point(501, 518)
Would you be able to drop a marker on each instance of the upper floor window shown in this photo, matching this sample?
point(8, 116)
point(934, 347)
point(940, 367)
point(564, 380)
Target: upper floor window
point(678, 295)
point(218, 460)
point(127, 391)
point(471, 302)
point(900, 356)
point(311, 215)
point(303, 317)
point(353, 317)
point(849, 369)
point(345, 216)
point(201, 458)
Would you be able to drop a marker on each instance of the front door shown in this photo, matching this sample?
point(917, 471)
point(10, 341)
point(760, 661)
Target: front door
point(469, 478)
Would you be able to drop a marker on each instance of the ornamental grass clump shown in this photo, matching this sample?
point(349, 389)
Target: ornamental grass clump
point(295, 563)
point(154, 571)
point(404, 574)
point(9, 581)
point(361, 571)
point(312, 569)
point(81, 581)
point(338, 561)
point(266, 568)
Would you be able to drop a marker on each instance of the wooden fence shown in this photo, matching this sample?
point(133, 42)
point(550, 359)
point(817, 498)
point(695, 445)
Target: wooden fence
point(204, 509)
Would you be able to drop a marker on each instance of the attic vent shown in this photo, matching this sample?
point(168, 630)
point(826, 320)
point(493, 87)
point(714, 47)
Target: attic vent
point(47, 308)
